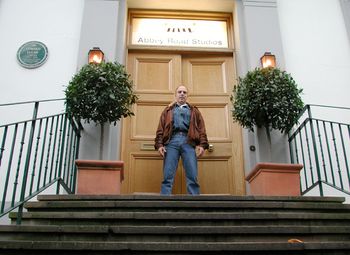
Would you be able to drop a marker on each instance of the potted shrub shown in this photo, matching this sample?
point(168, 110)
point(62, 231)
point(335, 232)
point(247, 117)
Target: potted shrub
point(269, 99)
point(101, 93)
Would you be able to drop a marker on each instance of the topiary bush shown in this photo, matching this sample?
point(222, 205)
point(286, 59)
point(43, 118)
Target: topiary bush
point(267, 97)
point(100, 93)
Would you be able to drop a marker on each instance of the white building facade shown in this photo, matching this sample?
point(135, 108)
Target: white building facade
point(310, 39)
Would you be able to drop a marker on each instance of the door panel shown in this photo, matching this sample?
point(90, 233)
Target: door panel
point(210, 81)
point(145, 172)
point(208, 75)
point(146, 122)
point(216, 113)
point(213, 171)
point(158, 73)
point(155, 76)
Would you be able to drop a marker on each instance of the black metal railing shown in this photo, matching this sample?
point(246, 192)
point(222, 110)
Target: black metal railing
point(323, 147)
point(35, 154)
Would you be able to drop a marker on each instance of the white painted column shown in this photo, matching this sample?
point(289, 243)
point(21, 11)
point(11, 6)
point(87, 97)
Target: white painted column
point(257, 31)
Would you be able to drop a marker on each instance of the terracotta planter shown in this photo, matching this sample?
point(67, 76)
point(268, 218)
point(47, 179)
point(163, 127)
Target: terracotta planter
point(97, 177)
point(272, 179)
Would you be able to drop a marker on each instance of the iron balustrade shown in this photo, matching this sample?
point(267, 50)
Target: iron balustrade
point(323, 147)
point(36, 154)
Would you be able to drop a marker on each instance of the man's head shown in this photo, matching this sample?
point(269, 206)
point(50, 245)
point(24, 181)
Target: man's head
point(181, 94)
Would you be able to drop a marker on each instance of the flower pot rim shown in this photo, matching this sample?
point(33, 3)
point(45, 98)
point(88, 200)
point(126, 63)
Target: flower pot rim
point(273, 166)
point(99, 163)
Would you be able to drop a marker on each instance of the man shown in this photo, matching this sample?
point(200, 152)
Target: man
point(181, 132)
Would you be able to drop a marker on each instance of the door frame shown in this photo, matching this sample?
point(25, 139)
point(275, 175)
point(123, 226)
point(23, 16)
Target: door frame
point(183, 50)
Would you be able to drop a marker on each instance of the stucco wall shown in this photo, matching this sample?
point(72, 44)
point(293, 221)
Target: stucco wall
point(57, 24)
point(103, 26)
point(316, 45)
point(317, 49)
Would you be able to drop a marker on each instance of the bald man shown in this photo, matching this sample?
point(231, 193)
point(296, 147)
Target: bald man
point(181, 133)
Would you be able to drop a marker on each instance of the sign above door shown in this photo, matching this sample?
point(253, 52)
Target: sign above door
point(172, 32)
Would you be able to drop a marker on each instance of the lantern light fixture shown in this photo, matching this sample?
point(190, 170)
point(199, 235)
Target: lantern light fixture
point(268, 60)
point(95, 55)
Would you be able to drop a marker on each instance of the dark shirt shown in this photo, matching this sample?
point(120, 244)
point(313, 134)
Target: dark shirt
point(181, 118)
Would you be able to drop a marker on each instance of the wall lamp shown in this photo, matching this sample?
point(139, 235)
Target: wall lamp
point(96, 55)
point(268, 60)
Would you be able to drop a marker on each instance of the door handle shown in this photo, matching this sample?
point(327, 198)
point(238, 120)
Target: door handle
point(211, 148)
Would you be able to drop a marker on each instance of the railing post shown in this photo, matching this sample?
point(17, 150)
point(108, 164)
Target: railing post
point(61, 152)
point(2, 148)
point(77, 142)
point(315, 149)
point(26, 166)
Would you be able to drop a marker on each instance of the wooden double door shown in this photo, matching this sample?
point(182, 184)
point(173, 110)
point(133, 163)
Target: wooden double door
point(209, 79)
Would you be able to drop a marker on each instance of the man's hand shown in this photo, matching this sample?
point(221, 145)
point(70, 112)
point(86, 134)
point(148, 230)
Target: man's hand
point(200, 151)
point(162, 151)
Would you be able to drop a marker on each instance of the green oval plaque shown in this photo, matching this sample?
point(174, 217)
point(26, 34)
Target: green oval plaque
point(32, 54)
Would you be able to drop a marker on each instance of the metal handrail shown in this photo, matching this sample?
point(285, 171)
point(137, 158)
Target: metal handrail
point(322, 145)
point(35, 154)
point(30, 102)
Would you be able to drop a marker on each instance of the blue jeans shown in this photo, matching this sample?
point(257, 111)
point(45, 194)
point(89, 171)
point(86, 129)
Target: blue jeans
point(177, 147)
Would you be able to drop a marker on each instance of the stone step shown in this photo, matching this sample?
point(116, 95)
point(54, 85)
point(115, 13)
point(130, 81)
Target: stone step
point(184, 248)
point(71, 197)
point(184, 218)
point(175, 233)
point(169, 225)
point(182, 205)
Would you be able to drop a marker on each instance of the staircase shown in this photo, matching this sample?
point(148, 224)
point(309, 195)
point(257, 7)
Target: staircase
point(151, 224)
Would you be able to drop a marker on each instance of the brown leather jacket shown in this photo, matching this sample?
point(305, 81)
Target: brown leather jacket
point(196, 132)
